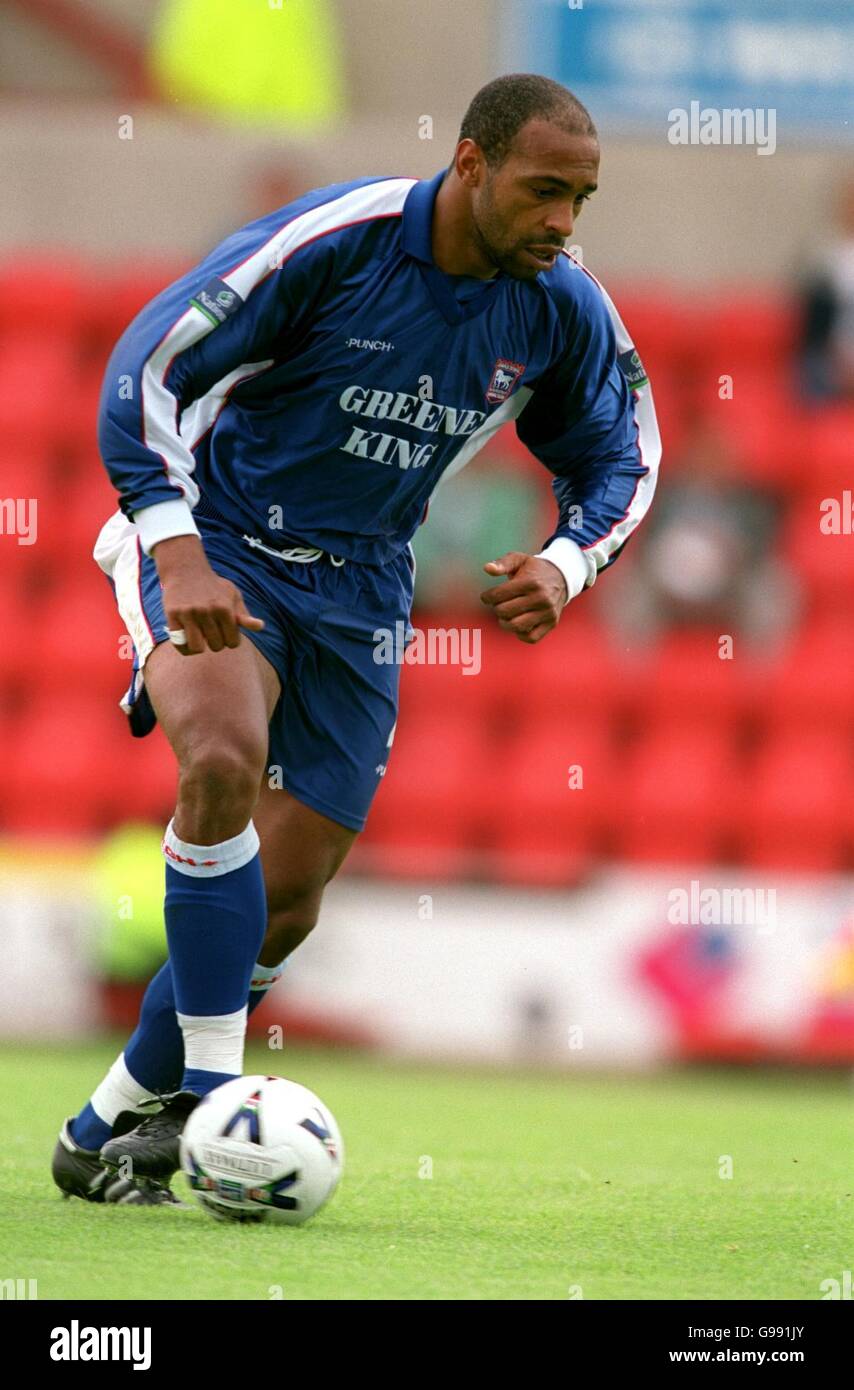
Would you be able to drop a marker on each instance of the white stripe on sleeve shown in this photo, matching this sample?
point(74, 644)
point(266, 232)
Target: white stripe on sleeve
point(161, 432)
point(649, 446)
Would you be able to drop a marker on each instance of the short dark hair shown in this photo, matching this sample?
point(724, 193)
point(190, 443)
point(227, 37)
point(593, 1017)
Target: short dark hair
point(499, 110)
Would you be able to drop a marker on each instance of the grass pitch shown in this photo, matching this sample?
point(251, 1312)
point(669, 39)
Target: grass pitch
point(542, 1187)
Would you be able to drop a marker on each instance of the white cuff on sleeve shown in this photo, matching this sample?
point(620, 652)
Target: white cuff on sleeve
point(578, 569)
point(162, 521)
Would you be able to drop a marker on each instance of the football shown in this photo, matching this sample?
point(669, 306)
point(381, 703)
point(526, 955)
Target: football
point(261, 1148)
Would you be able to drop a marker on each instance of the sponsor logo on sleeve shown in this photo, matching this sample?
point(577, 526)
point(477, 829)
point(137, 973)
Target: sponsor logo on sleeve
point(633, 369)
point(217, 301)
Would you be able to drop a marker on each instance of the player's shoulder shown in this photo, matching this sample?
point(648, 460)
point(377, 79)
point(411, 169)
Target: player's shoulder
point(337, 211)
point(578, 307)
point(572, 289)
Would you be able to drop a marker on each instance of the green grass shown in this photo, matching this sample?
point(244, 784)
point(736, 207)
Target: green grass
point(539, 1184)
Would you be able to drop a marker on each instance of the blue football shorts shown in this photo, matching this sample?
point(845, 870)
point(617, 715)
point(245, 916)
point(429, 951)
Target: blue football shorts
point(333, 725)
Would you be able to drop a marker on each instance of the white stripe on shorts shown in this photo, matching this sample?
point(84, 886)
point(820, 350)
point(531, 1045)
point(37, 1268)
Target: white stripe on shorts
point(127, 577)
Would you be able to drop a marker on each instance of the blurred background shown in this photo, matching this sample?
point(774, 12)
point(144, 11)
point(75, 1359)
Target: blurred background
point(630, 845)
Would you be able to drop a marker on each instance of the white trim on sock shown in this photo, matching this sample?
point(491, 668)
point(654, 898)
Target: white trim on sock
point(209, 861)
point(214, 1042)
point(265, 976)
point(117, 1092)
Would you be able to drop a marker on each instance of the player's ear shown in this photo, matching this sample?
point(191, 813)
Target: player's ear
point(469, 163)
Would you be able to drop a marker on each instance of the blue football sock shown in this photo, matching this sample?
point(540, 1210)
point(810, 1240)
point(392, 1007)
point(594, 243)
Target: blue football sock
point(155, 1053)
point(88, 1129)
point(203, 1081)
point(257, 996)
point(119, 1091)
point(216, 919)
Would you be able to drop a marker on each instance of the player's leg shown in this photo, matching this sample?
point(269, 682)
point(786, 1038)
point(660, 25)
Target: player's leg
point(329, 740)
point(214, 709)
point(315, 732)
point(153, 1061)
point(301, 851)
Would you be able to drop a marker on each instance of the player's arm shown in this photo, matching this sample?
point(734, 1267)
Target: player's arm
point(198, 339)
point(591, 421)
point(208, 610)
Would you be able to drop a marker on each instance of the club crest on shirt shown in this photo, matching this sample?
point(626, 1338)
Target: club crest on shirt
point(505, 374)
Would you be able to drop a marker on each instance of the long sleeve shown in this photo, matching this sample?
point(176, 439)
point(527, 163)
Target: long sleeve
point(213, 329)
point(591, 421)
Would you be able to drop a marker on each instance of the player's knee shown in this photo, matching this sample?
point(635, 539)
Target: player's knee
point(296, 901)
point(292, 912)
point(222, 770)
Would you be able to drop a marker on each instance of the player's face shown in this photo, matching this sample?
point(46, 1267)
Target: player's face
point(525, 210)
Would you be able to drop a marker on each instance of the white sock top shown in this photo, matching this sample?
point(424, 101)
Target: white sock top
point(209, 861)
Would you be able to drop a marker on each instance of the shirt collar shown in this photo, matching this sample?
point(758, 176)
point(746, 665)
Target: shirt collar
point(418, 218)
point(416, 241)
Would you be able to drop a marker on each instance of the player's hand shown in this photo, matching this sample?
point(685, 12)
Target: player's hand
point(208, 609)
point(532, 600)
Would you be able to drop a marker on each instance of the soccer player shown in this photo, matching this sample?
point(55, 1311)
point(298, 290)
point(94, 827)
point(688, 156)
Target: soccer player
point(275, 423)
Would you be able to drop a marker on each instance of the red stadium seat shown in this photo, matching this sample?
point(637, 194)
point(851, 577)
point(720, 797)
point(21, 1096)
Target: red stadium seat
point(62, 767)
point(148, 785)
point(684, 678)
point(80, 410)
point(30, 468)
point(737, 333)
point(827, 458)
point(762, 424)
point(558, 780)
point(570, 673)
point(661, 327)
point(70, 520)
point(47, 294)
point(73, 768)
point(676, 795)
point(22, 566)
point(824, 560)
point(671, 411)
point(436, 685)
point(431, 814)
point(795, 814)
point(811, 682)
point(80, 639)
point(18, 624)
point(118, 300)
point(38, 377)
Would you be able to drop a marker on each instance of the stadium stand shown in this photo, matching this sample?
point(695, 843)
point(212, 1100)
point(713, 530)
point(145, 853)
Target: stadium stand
point(473, 785)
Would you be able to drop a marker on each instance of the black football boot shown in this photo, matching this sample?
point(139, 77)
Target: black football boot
point(152, 1149)
point(80, 1172)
